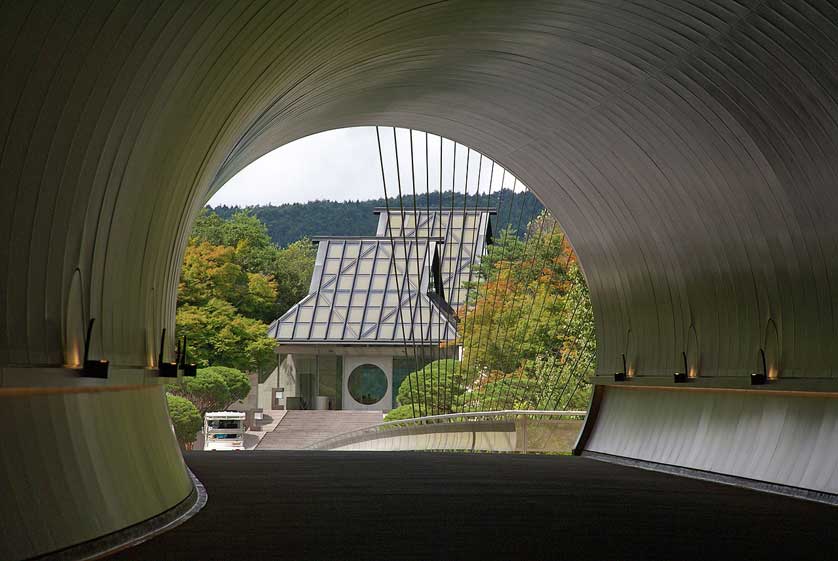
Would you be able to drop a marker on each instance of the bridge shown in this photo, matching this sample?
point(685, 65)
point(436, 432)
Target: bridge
point(687, 147)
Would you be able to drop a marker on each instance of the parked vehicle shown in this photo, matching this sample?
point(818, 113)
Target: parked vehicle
point(224, 430)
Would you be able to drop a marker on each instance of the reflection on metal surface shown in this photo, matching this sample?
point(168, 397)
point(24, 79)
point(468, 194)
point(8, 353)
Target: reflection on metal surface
point(491, 431)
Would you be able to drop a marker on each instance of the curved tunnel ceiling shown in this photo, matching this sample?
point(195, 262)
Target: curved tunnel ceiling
point(688, 149)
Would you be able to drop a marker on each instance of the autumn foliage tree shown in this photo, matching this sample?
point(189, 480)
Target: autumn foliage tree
point(527, 330)
point(234, 281)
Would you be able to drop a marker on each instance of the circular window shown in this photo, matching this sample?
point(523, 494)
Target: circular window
point(367, 384)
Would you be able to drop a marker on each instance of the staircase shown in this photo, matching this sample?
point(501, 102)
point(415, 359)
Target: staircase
point(299, 429)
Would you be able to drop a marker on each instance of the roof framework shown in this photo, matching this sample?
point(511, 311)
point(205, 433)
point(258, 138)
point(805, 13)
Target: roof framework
point(371, 290)
point(466, 234)
point(381, 289)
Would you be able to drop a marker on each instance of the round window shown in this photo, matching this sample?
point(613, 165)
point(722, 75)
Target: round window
point(367, 384)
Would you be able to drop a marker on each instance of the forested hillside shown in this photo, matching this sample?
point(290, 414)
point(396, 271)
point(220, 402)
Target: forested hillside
point(291, 222)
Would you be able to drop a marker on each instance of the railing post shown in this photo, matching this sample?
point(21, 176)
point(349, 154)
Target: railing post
point(524, 433)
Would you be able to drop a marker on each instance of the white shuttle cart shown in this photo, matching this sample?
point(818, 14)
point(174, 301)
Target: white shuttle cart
point(224, 430)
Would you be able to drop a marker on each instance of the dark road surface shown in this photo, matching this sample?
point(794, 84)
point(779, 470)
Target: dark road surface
point(383, 505)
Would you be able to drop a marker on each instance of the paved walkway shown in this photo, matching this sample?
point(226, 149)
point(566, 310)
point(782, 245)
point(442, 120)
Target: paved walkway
point(406, 505)
point(299, 429)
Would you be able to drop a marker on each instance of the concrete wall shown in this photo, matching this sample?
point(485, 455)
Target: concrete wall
point(77, 463)
point(385, 363)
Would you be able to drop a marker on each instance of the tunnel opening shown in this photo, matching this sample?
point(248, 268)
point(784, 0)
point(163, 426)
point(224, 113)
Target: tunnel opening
point(686, 147)
point(458, 288)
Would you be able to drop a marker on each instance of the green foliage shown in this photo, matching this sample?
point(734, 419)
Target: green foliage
point(207, 391)
point(292, 270)
point(527, 333)
point(186, 418)
point(292, 222)
point(405, 412)
point(437, 388)
point(237, 382)
point(528, 330)
point(213, 389)
point(217, 335)
point(234, 281)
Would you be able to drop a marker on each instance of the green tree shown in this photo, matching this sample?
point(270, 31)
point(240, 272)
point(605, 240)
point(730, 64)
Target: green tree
point(292, 269)
point(260, 300)
point(237, 382)
point(528, 332)
point(186, 419)
point(234, 281)
point(219, 336)
point(436, 389)
point(208, 390)
point(291, 222)
point(405, 412)
point(212, 389)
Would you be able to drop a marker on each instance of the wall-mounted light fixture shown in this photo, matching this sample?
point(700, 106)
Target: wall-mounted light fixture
point(682, 377)
point(93, 368)
point(189, 368)
point(621, 376)
point(165, 369)
point(760, 378)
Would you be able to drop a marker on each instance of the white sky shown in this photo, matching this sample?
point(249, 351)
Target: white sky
point(343, 164)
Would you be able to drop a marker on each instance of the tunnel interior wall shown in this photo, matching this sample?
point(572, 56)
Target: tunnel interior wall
point(788, 440)
point(80, 463)
point(687, 148)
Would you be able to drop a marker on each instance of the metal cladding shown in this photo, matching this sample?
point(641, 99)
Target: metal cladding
point(368, 290)
point(687, 148)
point(465, 232)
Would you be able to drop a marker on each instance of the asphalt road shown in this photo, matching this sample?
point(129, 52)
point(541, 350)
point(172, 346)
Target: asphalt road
point(398, 505)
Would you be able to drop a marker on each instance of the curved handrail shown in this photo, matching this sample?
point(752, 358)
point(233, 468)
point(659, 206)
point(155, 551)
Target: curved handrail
point(375, 430)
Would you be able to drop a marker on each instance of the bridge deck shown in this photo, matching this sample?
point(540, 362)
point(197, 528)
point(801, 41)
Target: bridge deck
point(385, 505)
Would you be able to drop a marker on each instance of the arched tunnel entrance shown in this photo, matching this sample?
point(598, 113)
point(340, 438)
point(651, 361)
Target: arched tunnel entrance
point(687, 148)
point(452, 292)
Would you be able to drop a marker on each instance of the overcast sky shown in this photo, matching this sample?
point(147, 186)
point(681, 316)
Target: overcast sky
point(344, 165)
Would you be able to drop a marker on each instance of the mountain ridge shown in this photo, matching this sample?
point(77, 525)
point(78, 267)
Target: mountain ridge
point(290, 222)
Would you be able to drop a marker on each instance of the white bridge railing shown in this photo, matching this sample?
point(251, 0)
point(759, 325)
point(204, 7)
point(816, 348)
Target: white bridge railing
point(485, 431)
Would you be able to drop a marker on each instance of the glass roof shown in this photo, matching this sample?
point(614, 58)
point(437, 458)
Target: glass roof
point(393, 288)
point(363, 291)
point(465, 234)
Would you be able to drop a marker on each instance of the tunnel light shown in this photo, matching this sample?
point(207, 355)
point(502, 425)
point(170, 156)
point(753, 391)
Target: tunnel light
point(189, 368)
point(621, 376)
point(760, 378)
point(682, 377)
point(165, 369)
point(93, 368)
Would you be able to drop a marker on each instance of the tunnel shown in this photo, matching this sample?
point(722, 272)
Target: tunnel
point(688, 148)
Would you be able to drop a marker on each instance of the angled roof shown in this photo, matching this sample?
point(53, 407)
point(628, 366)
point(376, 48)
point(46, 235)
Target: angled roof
point(370, 291)
point(466, 233)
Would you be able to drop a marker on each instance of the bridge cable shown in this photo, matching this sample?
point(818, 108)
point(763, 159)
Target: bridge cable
point(476, 382)
point(518, 378)
point(419, 273)
point(393, 262)
point(506, 292)
point(407, 248)
point(464, 368)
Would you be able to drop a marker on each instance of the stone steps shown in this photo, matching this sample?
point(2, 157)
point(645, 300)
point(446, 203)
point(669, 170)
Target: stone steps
point(299, 429)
